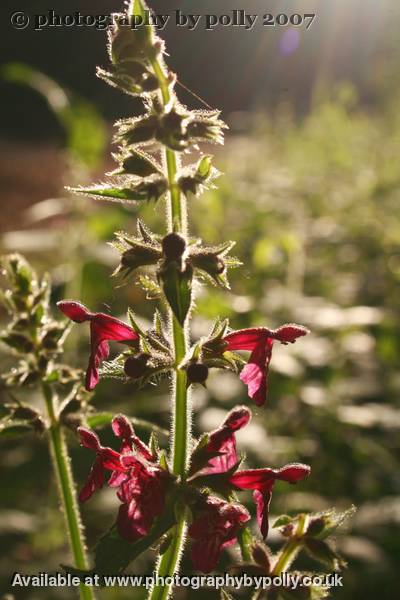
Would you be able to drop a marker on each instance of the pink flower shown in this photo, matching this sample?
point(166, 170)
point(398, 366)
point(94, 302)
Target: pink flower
point(215, 527)
point(259, 341)
point(122, 428)
point(102, 329)
point(220, 454)
point(106, 459)
point(142, 486)
point(143, 498)
point(262, 482)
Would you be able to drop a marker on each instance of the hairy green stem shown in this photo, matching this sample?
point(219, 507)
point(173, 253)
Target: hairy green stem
point(291, 549)
point(67, 490)
point(169, 561)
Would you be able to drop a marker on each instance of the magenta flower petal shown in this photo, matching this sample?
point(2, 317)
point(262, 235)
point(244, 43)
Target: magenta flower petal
point(259, 341)
point(253, 479)
point(89, 439)
point(123, 429)
point(247, 339)
point(75, 311)
point(214, 528)
point(293, 472)
point(95, 481)
point(220, 453)
point(288, 334)
point(106, 459)
point(143, 498)
point(262, 482)
point(237, 418)
point(262, 502)
point(103, 328)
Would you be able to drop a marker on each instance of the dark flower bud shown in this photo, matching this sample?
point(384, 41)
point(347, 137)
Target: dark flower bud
point(197, 372)
point(209, 262)
point(42, 363)
point(135, 366)
point(138, 256)
point(173, 245)
point(261, 556)
point(31, 377)
point(25, 413)
point(21, 324)
point(120, 77)
point(141, 130)
point(126, 42)
point(18, 342)
point(138, 163)
point(316, 526)
point(172, 130)
point(206, 127)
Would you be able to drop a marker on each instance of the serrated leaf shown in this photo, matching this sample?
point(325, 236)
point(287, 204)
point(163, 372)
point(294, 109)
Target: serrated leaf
point(108, 192)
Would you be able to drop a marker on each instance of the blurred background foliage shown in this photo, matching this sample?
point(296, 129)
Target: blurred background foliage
point(313, 203)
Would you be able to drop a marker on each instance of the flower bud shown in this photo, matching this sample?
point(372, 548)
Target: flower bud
point(138, 256)
point(126, 42)
point(172, 130)
point(135, 366)
point(197, 372)
point(18, 342)
point(138, 163)
point(261, 556)
point(208, 261)
point(141, 130)
point(173, 245)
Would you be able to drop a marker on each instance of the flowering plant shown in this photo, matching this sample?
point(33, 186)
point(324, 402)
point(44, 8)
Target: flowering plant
point(194, 489)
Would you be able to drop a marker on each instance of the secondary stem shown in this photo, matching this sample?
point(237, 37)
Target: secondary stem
point(290, 550)
point(169, 561)
point(67, 490)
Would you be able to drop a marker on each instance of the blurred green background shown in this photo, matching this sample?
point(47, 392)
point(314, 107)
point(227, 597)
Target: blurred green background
point(310, 191)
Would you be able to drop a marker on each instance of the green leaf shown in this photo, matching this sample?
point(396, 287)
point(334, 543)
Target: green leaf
point(13, 429)
point(98, 420)
point(135, 326)
point(108, 192)
point(177, 287)
point(282, 520)
point(320, 550)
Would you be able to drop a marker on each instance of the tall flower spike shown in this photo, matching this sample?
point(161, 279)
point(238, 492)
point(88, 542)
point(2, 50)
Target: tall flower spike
point(259, 341)
point(262, 482)
point(102, 329)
